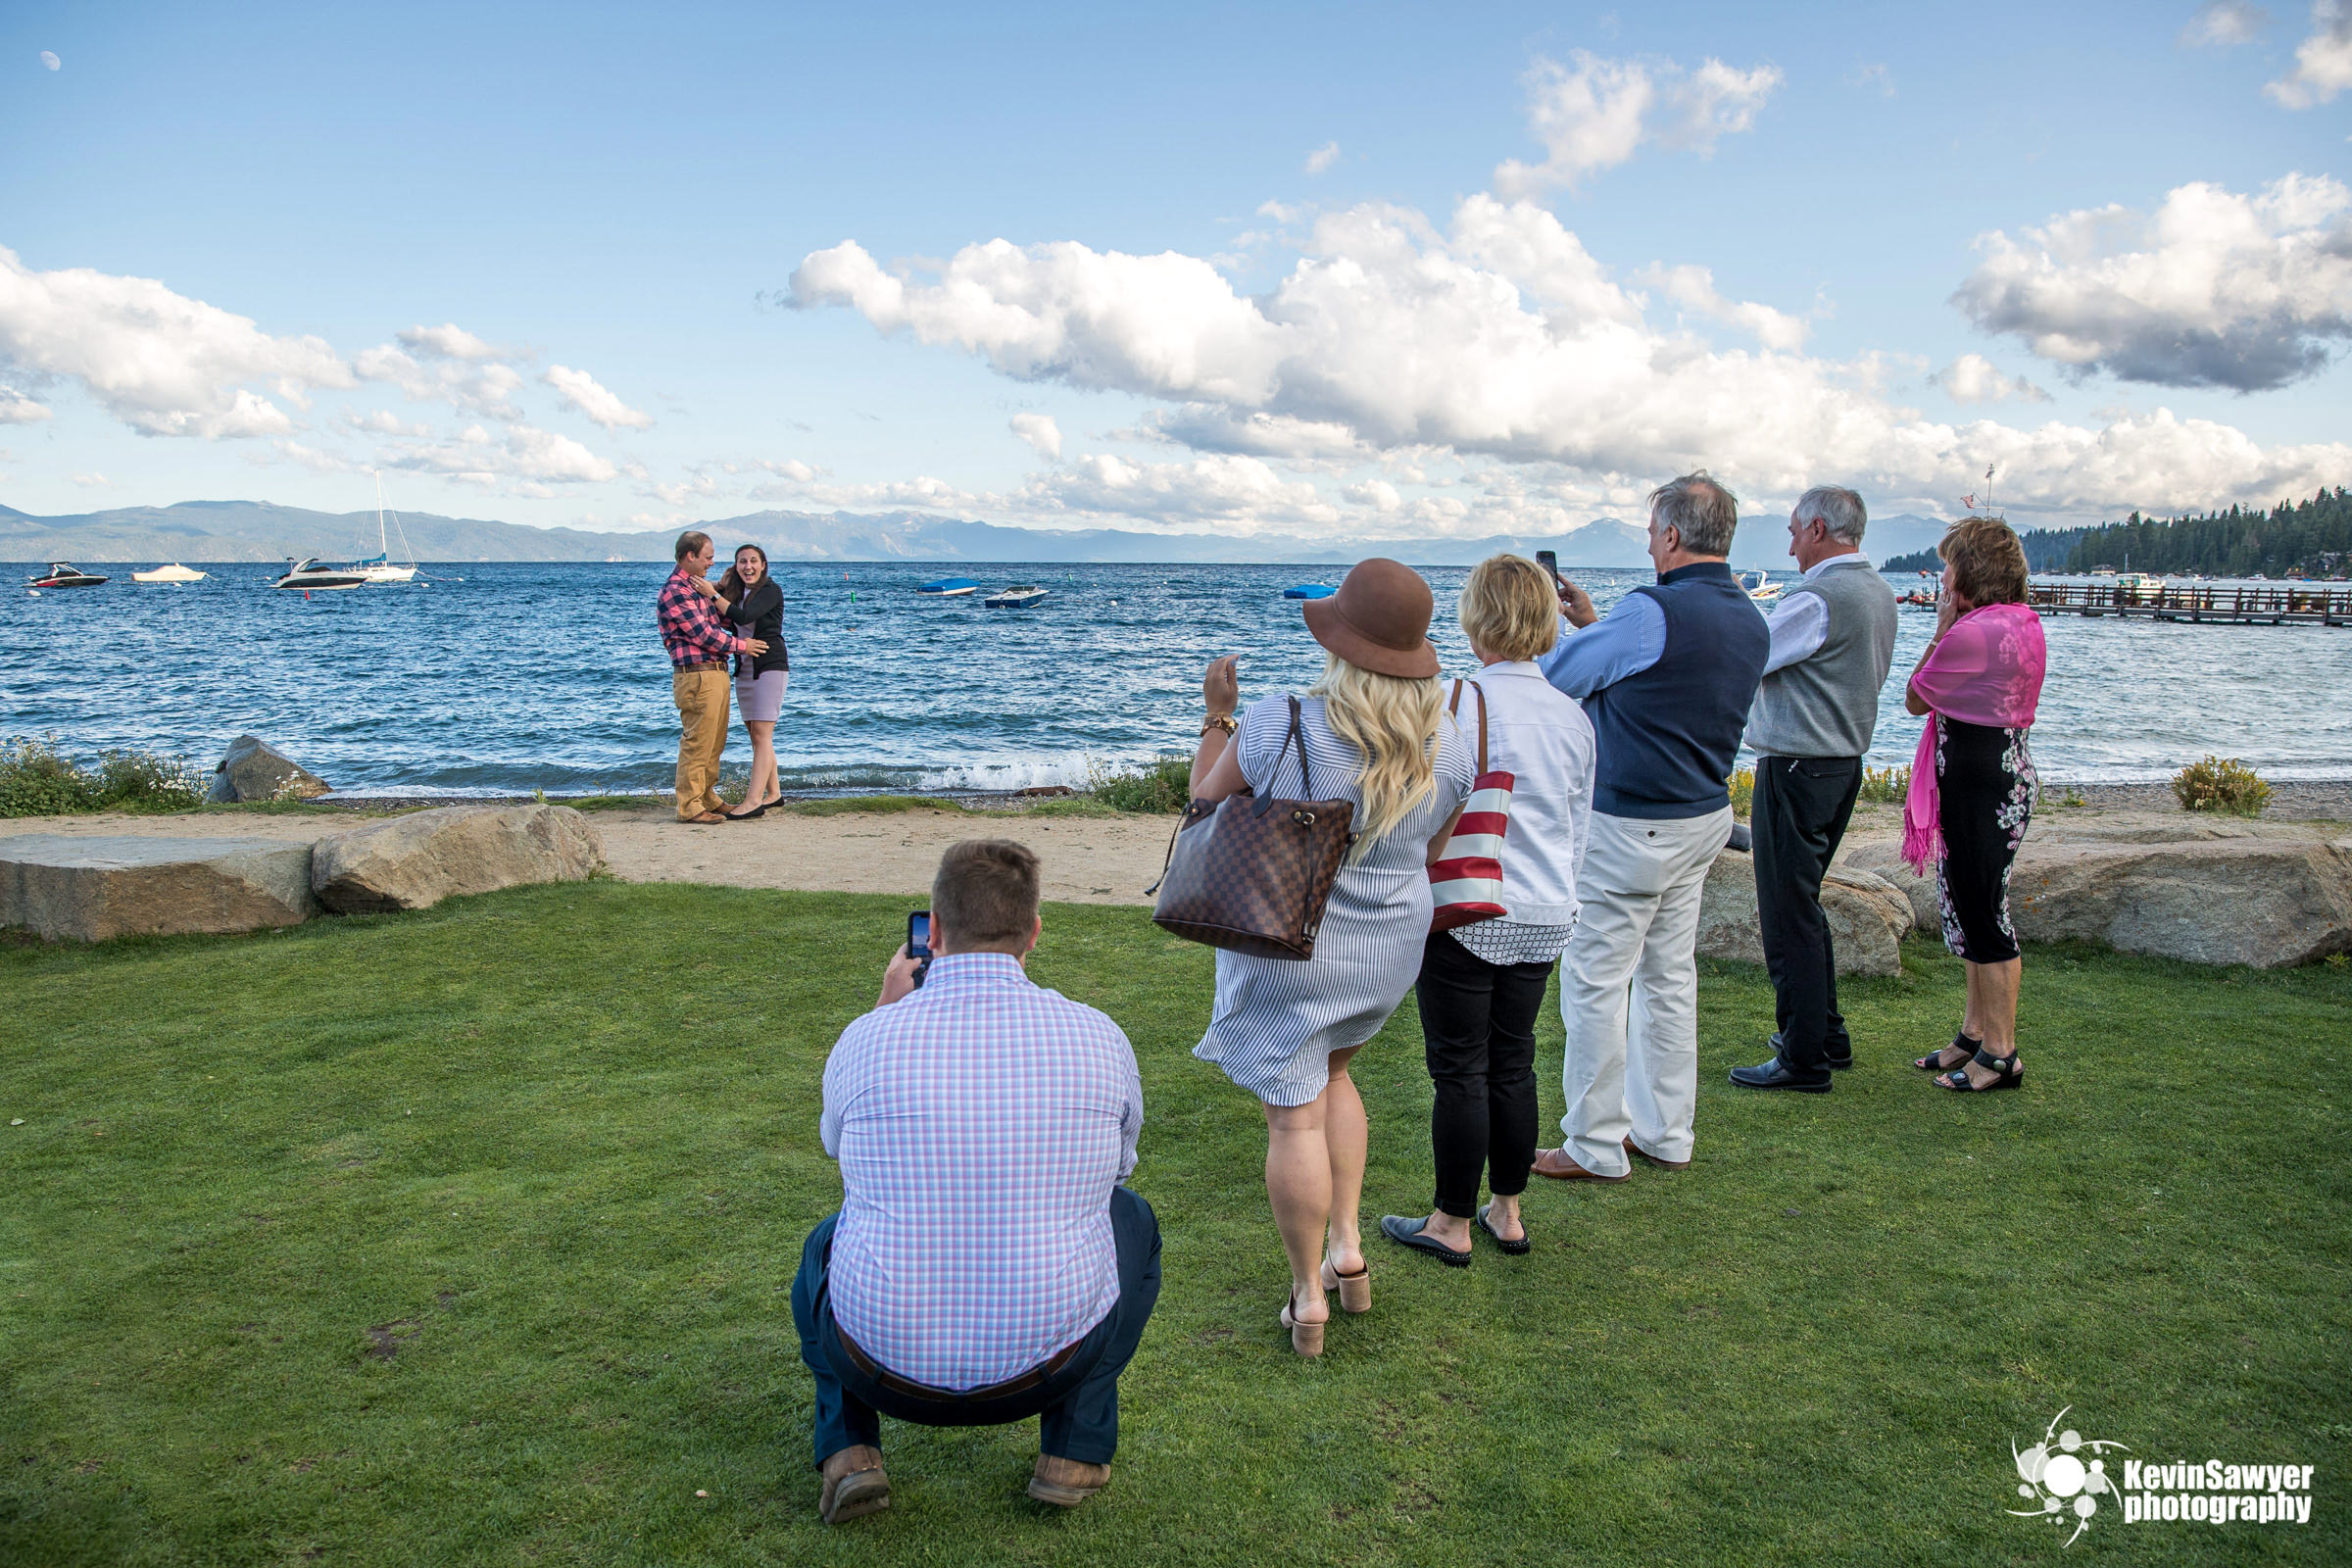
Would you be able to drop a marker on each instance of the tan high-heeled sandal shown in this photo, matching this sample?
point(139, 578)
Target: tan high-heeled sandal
point(1356, 1290)
point(1305, 1338)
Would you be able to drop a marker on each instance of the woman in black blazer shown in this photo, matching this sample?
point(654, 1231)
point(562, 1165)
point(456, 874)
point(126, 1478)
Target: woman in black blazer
point(749, 596)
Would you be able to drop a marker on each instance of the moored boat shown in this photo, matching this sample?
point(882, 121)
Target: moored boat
point(1763, 590)
point(1308, 590)
point(174, 572)
point(311, 574)
point(949, 588)
point(1018, 596)
point(65, 574)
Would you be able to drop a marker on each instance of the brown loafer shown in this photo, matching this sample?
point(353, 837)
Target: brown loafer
point(704, 819)
point(854, 1485)
point(1066, 1483)
point(1555, 1164)
point(1633, 1147)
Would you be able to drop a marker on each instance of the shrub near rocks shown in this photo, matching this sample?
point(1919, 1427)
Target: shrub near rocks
point(37, 779)
point(2220, 784)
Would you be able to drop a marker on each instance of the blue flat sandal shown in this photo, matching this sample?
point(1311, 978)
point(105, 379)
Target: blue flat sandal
point(1409, 1233)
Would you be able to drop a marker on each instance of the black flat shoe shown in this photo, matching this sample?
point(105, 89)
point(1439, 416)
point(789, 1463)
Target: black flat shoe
point(1517, 1248)
point(2011, 1074)
point(745, 816)
point(1407, 1233)
point(1775, 1074)
point(1834, 1063)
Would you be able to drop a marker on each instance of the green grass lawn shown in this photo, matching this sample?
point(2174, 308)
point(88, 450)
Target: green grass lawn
point(464, 1237)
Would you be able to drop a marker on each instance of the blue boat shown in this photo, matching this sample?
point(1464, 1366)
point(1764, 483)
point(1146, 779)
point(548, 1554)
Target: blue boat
point(949, 587)
point(1307, 590)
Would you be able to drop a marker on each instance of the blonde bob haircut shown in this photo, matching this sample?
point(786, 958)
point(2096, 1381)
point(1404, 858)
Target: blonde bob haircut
point(1510, 609)
point(1392, 722)
point(1988, 562)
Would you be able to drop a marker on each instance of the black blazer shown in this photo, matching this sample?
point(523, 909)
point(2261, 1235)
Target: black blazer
point(760, 613)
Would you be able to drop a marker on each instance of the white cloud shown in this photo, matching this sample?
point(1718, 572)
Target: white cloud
point(2223, 24)
point(1595, 115)
point(1972, 378)
point(485, 387)
point(1874, 74)
point(1040, 433)
point(2323, 59)
point(1498, 337)
point(528, 460)
point(160, 362)
point(18, 409)
point(312, 458)
point(92, 481)
point(2217, 289)
point(448, 341)
point(1323, 158)
point(579, 390)
point(51, 60)
point(383, 422)
point(1694, 289)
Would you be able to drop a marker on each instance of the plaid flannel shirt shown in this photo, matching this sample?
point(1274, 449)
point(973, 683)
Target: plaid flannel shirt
point(690, 628)
point(981, 1123)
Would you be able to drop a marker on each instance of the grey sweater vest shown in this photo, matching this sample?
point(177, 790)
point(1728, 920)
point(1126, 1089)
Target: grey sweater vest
point(1828, 704)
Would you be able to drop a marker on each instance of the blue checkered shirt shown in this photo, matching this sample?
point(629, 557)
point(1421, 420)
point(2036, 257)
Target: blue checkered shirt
point(981, 1123)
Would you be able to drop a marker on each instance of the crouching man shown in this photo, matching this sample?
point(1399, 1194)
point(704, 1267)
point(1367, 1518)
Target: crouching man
point(986, 1266)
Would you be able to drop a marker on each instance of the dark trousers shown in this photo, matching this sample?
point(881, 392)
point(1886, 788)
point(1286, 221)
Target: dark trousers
point(1079, 1401)
point(1478, 1033)
point(1801, 808)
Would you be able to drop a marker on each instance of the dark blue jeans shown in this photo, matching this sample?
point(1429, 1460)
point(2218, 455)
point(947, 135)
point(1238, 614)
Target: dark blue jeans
point(1079, 1403)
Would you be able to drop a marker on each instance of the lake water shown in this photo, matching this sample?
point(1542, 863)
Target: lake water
point(517, 676)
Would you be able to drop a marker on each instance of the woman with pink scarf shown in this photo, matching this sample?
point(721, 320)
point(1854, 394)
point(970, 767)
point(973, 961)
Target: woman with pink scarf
point(1973, 786)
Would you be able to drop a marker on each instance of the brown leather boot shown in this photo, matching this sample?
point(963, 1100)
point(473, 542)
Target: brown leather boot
point(854, 1485)
point(1066, 1483)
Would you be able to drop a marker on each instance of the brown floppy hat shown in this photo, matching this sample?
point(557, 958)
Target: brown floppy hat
point(1378, 620)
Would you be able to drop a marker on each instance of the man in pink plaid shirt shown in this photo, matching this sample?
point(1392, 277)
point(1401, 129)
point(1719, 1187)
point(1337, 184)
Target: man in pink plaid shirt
point(699, 647)
point(986, 1266)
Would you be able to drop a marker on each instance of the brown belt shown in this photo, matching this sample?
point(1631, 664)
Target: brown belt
point(1020, 1383)
point(708, 663)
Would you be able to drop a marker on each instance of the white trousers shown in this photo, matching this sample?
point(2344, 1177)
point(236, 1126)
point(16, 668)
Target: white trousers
point(1628, 989)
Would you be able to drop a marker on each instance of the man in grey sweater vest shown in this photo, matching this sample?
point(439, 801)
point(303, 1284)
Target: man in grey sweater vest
point(1832, 637)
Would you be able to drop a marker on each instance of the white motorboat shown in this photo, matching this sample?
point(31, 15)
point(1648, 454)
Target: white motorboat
point(312, 573)
point(174, 572)
point(1018, 596)
point(949, 588)
point(1763, 590)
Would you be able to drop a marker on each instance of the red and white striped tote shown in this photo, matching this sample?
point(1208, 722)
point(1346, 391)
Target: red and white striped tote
point(1466, 883)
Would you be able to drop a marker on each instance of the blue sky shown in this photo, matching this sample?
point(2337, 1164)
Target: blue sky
point(1480, 309)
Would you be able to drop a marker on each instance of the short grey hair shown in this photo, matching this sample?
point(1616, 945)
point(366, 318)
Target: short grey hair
point(1698, 508)
point(1838, 510)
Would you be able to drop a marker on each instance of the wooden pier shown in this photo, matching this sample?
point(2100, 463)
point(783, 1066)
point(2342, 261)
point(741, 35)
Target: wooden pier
point(2278, 604)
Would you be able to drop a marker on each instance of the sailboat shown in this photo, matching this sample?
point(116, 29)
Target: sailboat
point(381, 567)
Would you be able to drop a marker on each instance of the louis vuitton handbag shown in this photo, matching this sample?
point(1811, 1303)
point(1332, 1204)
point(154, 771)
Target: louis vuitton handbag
point(1252, 872)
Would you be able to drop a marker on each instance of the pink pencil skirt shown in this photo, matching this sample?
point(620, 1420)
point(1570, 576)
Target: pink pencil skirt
point(759, 698)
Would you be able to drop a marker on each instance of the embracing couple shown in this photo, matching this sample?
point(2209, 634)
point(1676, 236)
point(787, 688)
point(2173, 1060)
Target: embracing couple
point(704, 625)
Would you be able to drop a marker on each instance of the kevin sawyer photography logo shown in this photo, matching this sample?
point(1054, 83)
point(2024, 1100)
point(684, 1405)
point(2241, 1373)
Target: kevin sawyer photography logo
point(2067, 1479)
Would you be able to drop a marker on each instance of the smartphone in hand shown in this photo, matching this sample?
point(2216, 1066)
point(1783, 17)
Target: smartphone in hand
point(1549, 561)
point(918, 944)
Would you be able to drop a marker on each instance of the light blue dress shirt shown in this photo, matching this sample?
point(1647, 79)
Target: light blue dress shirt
point(1626, 641)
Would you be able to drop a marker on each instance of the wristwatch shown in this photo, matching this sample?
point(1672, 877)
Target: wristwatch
point(1224, 721)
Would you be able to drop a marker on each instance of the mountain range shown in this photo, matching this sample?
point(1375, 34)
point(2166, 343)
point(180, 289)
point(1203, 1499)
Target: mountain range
point(259, 530)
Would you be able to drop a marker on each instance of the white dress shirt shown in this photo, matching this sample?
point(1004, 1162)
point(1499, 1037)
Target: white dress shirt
point(1800, 625)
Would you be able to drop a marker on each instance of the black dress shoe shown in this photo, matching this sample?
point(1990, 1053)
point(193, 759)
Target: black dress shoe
point(1834, 1063)
point(1775, 1074)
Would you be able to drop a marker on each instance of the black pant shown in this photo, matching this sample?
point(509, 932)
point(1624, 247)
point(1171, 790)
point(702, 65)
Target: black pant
point(1478, 1031)
point(1079, 1401)
point(1801, 808)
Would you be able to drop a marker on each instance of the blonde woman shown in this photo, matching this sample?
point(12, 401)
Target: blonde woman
point(1376, 734)
point(1481, 985)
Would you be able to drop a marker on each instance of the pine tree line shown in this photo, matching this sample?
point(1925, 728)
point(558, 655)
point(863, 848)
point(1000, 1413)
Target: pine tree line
point(2313, 536)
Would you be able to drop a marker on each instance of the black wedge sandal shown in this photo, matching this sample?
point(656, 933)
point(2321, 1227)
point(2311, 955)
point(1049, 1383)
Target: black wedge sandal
point(1932, 1061)
point(2012, 1074)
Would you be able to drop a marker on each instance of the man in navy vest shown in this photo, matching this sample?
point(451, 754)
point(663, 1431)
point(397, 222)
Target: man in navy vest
point(1667, 680)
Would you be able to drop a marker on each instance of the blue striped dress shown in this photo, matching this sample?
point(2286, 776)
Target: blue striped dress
point(1278, 1020)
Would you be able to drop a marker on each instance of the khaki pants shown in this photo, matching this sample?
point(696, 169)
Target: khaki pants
point(702, 699)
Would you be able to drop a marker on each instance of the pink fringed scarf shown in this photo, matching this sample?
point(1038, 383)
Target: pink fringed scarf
point(1986, 671)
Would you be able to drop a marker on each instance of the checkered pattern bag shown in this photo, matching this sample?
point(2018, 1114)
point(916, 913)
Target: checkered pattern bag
point(1466, 883)
point(1254, 872)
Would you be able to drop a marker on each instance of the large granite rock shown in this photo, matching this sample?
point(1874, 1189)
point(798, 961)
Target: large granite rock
point(252, 769)
point(1867, 916)
point(88, 889)
point(415, 862)
point(2263, 901)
